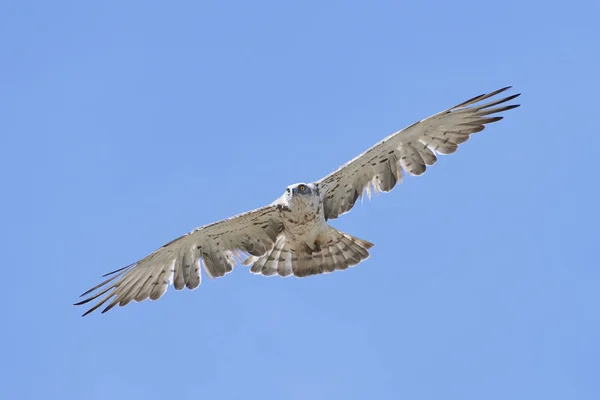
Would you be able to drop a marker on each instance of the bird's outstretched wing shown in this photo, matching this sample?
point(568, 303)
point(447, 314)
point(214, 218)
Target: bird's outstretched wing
point(216, 247)
point(408, 150)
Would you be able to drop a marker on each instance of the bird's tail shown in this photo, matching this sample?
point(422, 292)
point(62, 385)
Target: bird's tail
point(333, 251)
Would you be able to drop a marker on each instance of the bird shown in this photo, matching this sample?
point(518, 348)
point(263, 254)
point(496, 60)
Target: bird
point(292, 236)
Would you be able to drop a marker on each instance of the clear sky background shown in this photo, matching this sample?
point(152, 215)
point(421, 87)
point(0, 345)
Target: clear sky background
point(126, 124)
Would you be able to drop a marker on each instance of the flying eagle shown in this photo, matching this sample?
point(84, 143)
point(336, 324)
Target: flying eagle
point(291, 236)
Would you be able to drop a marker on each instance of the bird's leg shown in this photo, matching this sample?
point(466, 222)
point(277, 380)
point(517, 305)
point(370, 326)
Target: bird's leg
point(315, 249)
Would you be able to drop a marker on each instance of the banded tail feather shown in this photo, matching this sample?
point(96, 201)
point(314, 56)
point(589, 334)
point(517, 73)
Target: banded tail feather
point(333, 251)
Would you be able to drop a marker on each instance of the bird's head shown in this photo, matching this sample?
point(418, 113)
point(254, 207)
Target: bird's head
point(300, 189)
point(301, 193)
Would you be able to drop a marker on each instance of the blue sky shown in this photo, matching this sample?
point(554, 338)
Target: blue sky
point(126, 124)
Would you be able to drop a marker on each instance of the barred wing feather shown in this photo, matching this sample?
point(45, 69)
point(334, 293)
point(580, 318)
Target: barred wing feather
point(409, 150)
point(217, 247)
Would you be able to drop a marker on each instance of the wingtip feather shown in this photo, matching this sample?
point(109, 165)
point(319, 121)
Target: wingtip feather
point(118, 270)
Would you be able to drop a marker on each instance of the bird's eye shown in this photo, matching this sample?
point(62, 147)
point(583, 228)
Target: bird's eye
point(302, 188)
point(288, 190)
